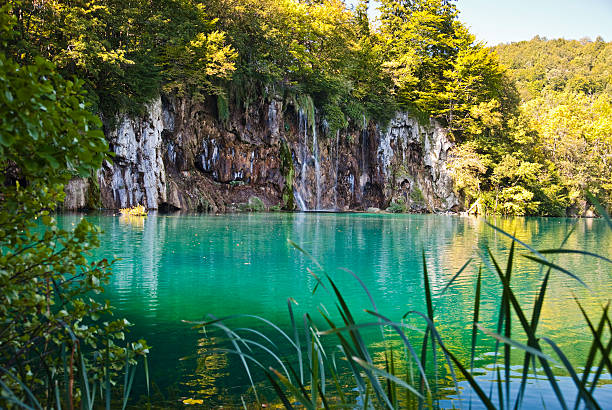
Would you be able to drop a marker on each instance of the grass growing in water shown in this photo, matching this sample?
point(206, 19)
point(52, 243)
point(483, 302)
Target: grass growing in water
point(410, 375)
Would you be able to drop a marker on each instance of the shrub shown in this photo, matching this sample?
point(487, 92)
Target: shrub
point(53, 335)
point(397, 207)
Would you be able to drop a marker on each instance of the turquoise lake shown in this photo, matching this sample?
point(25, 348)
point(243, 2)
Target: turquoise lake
point(176, 268)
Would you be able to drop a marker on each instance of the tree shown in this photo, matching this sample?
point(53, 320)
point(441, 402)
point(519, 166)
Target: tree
point(438, 67)
point(47, 135)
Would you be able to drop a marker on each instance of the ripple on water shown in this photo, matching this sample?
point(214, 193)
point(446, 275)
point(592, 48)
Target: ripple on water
point(175, 268)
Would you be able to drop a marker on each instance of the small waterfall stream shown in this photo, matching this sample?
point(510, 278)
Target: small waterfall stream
point(363, 178)
point(303, 126)
point(336, 175)
point(317, 165)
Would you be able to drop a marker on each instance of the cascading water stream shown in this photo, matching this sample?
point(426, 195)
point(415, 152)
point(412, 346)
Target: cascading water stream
point(363, 179)
point(336, 176)
point(315, 155)
point(303, 123)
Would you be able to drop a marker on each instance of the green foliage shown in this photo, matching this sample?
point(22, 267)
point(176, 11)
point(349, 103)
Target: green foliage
point(47, 278)
point(93, 193)
point(335, 118)
point(540, 66)
point(222, 109)
point(319, 50)
point(397, 207)
point(436, 65)
point(416, 195)
point(542, 158)
point(255, 204)
point(125, 51)
point(329, 61)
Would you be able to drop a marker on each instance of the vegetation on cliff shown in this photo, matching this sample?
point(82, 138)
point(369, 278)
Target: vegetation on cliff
point(531, 120)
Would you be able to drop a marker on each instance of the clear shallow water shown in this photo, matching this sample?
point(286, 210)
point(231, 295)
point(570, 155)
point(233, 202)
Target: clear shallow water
point(183, 267)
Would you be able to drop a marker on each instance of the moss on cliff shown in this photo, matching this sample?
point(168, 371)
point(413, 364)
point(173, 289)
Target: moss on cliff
point(93, 200)
point(288, 172)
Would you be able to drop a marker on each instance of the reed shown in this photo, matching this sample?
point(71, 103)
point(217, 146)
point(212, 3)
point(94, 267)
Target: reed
point(333, 367)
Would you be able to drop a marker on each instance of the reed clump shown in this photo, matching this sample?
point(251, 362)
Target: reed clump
point(333, 367)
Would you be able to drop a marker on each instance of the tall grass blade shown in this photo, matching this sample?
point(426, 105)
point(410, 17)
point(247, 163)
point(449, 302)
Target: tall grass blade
point(508, 327)
point(258, 333)
point(314, 366)
point(481, 394)
point(348, 352)
point(436, 336)
point(535, 318)
point(592, 353)
point(11, 397)
point(476, 317)
point(58, 398)
point(406, 342)
point(455, 276)
point(296, 337)
point(358, 341)
point(500, 390)
point(576, 252)
point(600, 368)
point(428, 302)
point(146, 367)
point(333, 369)
point(234, 338)
point(510, 342)
point(27, 391)
point(279, 392)
point(386, 375)
point(596, 338)
point(300, 394)
point(533, 341)
point(202, 324)
point(514, 239)
point(556, 267)
point(107, 384)
point(128, 388)
point(270, 352)
point(85, 395)
point(586, 396)
point(299, 248)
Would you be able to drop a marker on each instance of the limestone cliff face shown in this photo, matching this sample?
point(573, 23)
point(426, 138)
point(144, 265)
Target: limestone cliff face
point(180, 156)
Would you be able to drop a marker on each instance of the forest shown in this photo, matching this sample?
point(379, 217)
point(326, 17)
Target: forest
point(531, 124)
point(532, 121)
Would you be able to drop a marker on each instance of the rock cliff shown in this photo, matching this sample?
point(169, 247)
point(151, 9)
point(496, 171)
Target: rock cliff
point(179, 155)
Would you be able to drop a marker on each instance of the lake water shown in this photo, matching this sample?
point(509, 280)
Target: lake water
point(176, 268)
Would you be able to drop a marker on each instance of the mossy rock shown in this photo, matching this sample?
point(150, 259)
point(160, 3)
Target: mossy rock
point(254, 204)
point(288, 172)
point(94, 200)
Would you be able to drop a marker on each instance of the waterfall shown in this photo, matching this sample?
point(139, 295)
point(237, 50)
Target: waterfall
point(303, 130)
point(363, 178)
point(336, 181)
point(364, 132)
point(315, 155)
point(300, 201)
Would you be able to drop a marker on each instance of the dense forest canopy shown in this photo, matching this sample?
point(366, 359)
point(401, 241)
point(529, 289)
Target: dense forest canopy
point(532, 120)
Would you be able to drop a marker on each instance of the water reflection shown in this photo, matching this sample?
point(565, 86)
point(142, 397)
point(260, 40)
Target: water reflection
point(175, 268)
